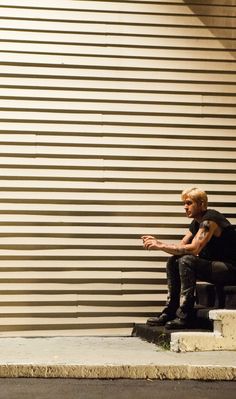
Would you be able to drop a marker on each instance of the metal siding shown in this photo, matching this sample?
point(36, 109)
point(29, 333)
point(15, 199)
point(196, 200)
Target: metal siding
point(108, 110)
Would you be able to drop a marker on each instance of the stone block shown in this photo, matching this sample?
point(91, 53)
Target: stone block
point(222, 338)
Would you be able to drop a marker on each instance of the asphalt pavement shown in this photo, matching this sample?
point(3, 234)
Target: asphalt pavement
point(28, 388)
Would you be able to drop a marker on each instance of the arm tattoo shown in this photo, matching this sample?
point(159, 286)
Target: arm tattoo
point(180, 251)
point(205, 226)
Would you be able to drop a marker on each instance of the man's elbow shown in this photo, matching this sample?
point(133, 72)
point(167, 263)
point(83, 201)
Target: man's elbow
point(194, 251)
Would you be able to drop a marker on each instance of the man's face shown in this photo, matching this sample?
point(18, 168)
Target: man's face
point(192, 208)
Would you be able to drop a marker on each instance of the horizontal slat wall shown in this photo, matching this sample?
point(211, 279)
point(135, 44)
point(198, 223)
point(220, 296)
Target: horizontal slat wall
point(108, 110)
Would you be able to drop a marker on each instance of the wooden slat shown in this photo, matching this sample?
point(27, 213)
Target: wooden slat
point(108, 107)
point(108, 97)
point(43, 41)
point(63, 164)
point(83, 140)
point(119, 29)
point(113, 46)
point(176, 17)
point(181, 130)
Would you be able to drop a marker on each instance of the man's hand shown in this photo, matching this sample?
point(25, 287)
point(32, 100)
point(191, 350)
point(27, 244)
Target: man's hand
point(150, 242)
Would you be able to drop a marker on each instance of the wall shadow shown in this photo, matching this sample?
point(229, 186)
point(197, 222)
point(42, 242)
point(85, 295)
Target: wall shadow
point(219, 16)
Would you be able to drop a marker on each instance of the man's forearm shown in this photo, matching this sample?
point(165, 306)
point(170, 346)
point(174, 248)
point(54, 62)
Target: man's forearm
point(173, 249)
point(151, 243)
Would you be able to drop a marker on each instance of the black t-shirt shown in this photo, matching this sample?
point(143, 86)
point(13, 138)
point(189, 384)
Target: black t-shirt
point(221, 248)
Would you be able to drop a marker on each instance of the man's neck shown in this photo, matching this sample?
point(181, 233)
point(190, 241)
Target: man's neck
point(199, 217)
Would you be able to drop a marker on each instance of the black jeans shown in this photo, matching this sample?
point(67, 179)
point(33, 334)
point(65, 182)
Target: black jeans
point(182, 274)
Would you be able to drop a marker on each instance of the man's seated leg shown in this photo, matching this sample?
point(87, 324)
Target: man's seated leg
point(187, 270)
point(172, 304)
point(191, 269)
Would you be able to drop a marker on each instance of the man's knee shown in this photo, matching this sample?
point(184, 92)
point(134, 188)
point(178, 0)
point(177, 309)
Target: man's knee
point(171, 262)
point(188, 270)
point(187, 261)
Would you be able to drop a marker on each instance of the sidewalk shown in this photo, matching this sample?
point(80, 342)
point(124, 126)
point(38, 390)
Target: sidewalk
point(109, 357)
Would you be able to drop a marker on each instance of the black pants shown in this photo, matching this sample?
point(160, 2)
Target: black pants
point(182, 274)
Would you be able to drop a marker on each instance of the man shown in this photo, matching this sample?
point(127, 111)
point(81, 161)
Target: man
point(207, 253)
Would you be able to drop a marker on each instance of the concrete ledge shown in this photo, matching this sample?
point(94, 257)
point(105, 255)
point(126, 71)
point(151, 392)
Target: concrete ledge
point(222, 338)
point(109, 358)
point(161, 372)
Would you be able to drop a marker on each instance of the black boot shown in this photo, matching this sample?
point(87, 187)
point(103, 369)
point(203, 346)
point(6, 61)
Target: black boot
point(159, 320)
point(184, 313)
point(178, 324)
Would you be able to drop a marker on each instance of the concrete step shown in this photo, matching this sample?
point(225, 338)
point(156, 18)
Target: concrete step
point(223, 319)
point(221, 338)
point(200, 337)
point(212, 327)
point(219, 297)
point(162, 337)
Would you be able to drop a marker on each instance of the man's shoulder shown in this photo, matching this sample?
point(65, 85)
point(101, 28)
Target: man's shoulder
point(217, 217)
point(212, 214)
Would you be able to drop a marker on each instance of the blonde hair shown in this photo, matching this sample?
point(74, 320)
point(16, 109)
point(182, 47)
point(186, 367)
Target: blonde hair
point(196, 194)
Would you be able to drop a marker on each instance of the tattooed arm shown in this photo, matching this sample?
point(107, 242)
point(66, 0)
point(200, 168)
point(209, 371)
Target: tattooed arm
point(186, 246)
point(207, 230)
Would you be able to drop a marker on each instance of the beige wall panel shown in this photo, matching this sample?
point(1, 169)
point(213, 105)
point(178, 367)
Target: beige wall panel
point(55, 83)
point(67, 140)
point(136, 153)
point(100, 198)
point(131, 86)
point(59, 170)
point(109, 118)
point(115, 46)
point(111, 6)
point(137, 212)
point(119, 61)
point(74, 310)
point(110, 107)
point(184, 82)
point(117, 97)
point(179, 130)
point(43, 41)
point(116, 16)
point(71, 4)
point(128, 6)
point(81, 231)
point(156, 221)
point(120, 29)
point(83, 264)
point(67, 95)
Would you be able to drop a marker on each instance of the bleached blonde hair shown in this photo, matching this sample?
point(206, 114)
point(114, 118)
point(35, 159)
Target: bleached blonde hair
point(196, 194)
